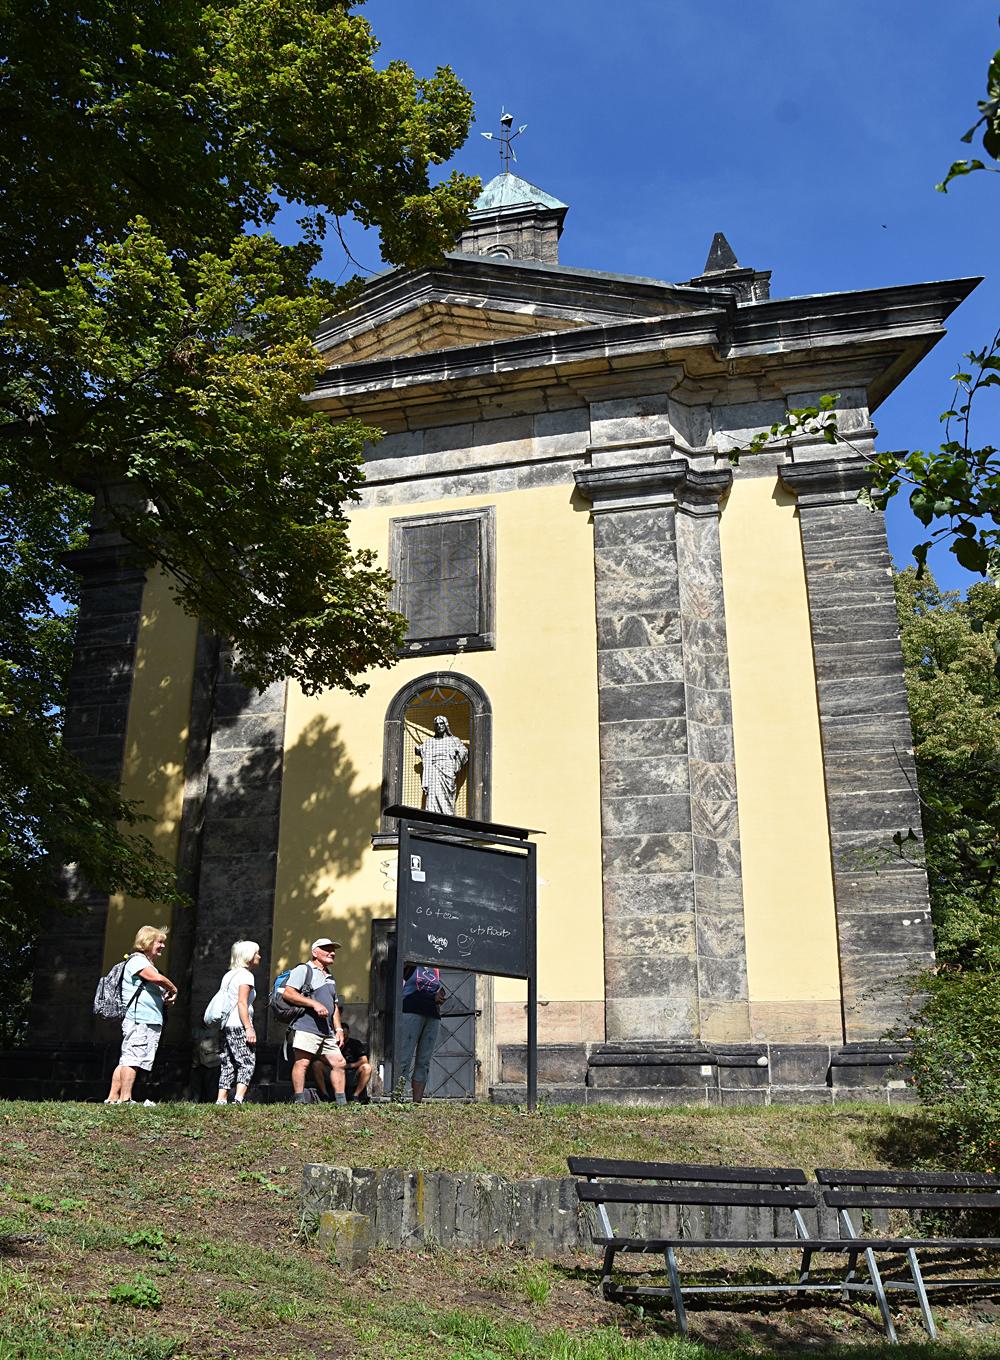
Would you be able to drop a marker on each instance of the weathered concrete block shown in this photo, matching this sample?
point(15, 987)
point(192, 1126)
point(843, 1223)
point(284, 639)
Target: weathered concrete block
point(346, 1236)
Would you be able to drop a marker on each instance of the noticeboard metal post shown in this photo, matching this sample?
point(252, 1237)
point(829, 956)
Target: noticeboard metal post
point(466, 897)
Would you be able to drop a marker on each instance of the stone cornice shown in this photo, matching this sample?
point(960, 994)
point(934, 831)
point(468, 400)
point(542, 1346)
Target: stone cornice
point(889, 329)
point(673, 482)
point(826, 481)
point(99, 561)
point(485, 281)
point(508, 360)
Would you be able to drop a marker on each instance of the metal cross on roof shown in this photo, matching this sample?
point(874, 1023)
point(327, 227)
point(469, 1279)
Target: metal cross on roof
point(505, 137)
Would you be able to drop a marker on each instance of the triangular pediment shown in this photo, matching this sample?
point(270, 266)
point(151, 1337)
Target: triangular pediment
point(430, 326)
point(471, 300)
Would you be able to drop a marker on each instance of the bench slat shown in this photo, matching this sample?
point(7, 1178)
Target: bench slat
point(609, 1192)
point(897, 1245)
point(905, 1199)
point(686, 1171)
point(831, 1176)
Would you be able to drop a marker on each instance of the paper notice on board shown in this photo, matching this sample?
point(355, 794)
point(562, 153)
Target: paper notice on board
point(418, 875)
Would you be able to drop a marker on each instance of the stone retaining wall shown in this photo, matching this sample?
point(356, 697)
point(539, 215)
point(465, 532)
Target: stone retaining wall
point(541, 1214)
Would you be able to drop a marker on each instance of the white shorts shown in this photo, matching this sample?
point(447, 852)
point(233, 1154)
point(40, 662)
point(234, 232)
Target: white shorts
point(139, 1044)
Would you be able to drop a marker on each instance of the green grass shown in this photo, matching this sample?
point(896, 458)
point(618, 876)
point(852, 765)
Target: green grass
point(174, 1233)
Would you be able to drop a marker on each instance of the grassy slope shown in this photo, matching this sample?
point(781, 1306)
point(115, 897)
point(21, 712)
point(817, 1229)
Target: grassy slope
point(174, 1232)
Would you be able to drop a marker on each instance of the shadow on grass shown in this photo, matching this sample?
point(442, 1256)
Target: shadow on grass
point(744, 1327)
point(912, 1143)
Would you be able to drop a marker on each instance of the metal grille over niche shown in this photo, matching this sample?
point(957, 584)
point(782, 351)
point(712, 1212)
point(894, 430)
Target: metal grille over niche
point(418, 724)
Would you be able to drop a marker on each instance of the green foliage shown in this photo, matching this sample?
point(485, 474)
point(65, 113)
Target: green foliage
point(154, 351)
point(989, 121)
point(950, 648)
point(950, 660)
point(957, 486)
point(138, 1292)
point(955, 1064)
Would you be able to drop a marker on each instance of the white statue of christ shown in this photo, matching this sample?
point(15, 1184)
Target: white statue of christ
point(443, 756)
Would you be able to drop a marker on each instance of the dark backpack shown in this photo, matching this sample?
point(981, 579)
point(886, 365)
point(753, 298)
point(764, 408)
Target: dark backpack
point(284, 1011)
point(109, 999)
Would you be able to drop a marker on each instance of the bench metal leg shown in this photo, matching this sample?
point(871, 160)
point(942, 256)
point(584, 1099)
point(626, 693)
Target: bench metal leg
point(847, 1230)
point(883, 1302)
point(802, 1231)
point(918, 1284)
point(675, 1291)
point(606, 1269)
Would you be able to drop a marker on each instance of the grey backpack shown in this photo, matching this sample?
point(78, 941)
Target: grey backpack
point(109, 999)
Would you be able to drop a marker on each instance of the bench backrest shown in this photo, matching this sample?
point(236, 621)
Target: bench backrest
point(610, 1168)
point(611, 1181)
point(626, 1192)
point(908, 1190)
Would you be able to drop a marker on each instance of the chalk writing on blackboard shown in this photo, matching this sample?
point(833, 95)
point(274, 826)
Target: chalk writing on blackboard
point(468, 908)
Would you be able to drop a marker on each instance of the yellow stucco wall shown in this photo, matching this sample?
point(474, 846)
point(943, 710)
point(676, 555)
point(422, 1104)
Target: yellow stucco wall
point(155, 746)
point(541, 683)
point(791, 937)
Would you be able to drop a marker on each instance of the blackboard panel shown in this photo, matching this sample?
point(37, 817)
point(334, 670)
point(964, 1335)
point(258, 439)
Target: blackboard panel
point(466, 907)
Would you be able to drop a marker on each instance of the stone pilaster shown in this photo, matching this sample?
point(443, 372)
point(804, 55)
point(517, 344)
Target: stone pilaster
point(718, 887)
point(70, 951)
point(669, 829)
point(883, 917)
point(239, 834)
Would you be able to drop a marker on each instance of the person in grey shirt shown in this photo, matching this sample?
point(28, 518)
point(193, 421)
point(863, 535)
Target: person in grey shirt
point(317, 1032)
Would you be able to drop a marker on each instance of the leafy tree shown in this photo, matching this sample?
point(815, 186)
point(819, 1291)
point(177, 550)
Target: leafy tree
point(950, 658)
point(950, 648)
point(155, 348)
point(151, 350)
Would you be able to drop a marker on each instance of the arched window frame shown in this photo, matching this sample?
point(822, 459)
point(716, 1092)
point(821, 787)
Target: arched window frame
point(480, 747)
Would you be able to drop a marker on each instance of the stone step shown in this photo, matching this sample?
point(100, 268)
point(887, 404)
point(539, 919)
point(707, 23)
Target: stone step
point(558, 1064)
point(517, 1094)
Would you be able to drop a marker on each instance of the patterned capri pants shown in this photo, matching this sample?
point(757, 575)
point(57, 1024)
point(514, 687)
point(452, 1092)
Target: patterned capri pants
point(238, 1059)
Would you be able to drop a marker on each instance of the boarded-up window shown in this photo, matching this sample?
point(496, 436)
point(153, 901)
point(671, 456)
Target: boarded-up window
point(443, 569)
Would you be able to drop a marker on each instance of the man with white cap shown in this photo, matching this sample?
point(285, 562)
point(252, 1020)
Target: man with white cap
point(317, 1032)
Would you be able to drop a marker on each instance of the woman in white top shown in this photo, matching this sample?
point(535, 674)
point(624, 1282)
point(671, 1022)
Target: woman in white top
point(239, 1038)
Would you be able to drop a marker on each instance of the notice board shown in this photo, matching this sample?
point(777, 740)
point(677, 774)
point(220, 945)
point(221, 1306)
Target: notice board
point(464, 906)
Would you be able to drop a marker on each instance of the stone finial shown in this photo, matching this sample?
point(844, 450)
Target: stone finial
point(721, 256)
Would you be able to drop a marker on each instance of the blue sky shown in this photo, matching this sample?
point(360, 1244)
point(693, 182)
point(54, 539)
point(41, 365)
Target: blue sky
point(812, 132)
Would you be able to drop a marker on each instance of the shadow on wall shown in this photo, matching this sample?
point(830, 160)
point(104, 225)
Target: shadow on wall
point(324, 838)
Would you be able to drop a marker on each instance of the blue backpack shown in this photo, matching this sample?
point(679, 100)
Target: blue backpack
point(284, 1011)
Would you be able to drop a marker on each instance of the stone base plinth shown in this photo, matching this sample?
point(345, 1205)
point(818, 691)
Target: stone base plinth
point(731, 1074)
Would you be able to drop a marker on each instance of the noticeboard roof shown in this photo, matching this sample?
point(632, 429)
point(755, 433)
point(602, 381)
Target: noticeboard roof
point(413, 814)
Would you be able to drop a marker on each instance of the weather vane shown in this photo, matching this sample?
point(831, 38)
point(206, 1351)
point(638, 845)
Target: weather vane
point(505, 137)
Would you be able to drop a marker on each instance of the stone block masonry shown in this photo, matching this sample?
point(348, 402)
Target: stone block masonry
point(883, 915)
point(470, 1210)
point(674, 952)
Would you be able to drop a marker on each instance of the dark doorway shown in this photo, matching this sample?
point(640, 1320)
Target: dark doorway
point(453, 1071)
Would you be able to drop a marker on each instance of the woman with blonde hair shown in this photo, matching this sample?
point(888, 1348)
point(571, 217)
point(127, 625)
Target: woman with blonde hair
point(146, 993)
point(239, 1038)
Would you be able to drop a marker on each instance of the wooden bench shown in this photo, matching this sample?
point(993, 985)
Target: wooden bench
point(909, 1192)
point(607, 1181)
